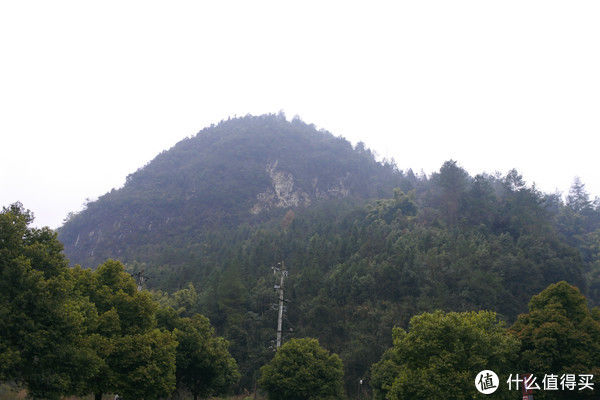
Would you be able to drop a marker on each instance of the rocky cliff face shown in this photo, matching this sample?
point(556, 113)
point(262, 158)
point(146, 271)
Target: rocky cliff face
point(283, 194)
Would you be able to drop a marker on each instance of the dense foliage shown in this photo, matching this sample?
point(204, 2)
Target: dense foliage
point(42, 331)
point(214, 180)
point(204, 365)
point(440, 354)
point(77, 331)
point(560, 335)
point(303, 370)
point(356, 271)
point(123, 336)
point(362, 257)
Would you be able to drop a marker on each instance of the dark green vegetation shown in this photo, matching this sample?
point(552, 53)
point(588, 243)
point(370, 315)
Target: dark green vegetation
point(209, 218)
point(204, 365)
point(441, 353)
point(40, 327)
point(74, 331)
point(124, 344)
point(368, 248)
point(303, 370)
point(559, 335)
point(238, 171)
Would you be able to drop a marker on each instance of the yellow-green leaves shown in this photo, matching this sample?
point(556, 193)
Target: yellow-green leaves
point(303, 370)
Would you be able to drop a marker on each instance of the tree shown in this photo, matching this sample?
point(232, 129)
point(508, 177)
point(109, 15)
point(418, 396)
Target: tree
point(440, 355)
point(578, 199)
point(450, 185)
point(204, 365)
point(302, 370)
point(401, 206)
point(560, 334)
point(42, 325)
point(144, 365)
point(128, 347)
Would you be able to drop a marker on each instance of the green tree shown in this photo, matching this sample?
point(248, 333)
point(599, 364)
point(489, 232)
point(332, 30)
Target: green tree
point(302, 370)
point(144, 365)
point(449, 188)
point(204, 365)
point(560, 334)
point(440, 355)
point(42, 324)
point(578, 199)
point(128, 348)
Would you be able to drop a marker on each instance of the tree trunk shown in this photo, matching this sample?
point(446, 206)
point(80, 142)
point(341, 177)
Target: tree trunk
point(97, 396)
point(195, 396)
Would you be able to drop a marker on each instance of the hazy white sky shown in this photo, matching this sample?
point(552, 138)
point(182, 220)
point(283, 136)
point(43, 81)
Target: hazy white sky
point(91, 91)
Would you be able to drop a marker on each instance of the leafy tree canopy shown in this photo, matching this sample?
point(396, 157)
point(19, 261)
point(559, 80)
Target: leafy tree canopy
point(42, 327)
point(204, 365)
point(125, 322)
point(440, 355)
point(361, 260)
point(302, 370)
point(559, 334)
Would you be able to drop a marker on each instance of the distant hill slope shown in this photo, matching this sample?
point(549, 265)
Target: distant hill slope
point(209, 218)
point(241, 170)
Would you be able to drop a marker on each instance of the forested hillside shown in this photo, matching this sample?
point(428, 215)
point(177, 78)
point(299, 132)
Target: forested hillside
point(367, 246)
point(240, 171)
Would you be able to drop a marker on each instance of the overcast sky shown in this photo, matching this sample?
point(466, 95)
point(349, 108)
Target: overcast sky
point(91, 91)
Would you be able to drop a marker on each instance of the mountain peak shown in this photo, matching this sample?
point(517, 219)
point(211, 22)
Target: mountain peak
point(236, 171)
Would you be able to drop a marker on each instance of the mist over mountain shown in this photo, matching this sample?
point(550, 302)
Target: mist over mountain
point(367, 246)
point(241, 170)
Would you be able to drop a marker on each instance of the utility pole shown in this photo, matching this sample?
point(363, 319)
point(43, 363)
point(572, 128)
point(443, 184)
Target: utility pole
point(279, 288)
point(140, 278)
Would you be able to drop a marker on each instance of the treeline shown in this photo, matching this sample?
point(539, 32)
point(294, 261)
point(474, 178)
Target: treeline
point(76, 331)
point(362, 258)
point(73, 331)
point(449, 241)
point(212, 181)
point(441, 353)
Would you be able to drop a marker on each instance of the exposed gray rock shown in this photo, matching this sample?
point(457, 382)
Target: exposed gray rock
point(283, 194)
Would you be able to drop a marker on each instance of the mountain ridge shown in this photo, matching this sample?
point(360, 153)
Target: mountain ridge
point(237, 171)
point(360, 262)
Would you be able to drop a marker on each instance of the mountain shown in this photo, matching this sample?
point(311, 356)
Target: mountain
point(242, 170)
point(367, 246)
